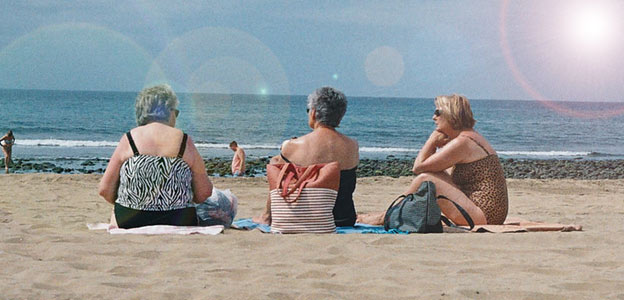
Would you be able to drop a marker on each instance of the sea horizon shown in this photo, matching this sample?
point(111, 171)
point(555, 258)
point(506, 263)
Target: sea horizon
point(620, 101)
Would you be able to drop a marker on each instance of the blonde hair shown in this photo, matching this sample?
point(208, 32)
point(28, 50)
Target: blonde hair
point(456, 109)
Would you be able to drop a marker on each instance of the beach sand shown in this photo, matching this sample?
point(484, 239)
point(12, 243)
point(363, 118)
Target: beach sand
point(46, 250)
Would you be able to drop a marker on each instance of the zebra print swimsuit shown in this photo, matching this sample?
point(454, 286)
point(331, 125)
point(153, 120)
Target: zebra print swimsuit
point(155, 183)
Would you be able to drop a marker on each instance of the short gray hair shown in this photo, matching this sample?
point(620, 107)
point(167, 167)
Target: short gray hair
point(330, 105)
point(154, 104)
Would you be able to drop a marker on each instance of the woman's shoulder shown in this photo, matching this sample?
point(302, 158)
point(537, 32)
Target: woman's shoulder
point(291, 145)
point(352, 142)
point(475, 140)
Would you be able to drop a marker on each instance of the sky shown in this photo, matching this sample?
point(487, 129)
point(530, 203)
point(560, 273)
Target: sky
point(533, 50)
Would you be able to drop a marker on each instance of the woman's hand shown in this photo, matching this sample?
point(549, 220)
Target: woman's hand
point(439, 139)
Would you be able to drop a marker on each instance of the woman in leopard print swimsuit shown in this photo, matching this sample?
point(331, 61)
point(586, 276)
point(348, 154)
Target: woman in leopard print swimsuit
point(463, 166)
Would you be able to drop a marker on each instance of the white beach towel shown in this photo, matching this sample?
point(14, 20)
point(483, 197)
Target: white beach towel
point(159, 229)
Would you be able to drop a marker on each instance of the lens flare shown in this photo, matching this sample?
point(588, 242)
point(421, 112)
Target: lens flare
point(229, 74)
point(384, 66)
point(75, 56)
point(582, 79)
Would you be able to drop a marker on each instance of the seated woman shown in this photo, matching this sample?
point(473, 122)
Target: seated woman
point(326, 107)
point(7, 142)
point(463, 166)
point(156, 172)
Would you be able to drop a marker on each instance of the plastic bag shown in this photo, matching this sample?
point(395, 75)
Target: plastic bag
point(219, 209)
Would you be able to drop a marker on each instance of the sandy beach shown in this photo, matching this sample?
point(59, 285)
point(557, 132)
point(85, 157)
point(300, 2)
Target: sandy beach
point(47, 252)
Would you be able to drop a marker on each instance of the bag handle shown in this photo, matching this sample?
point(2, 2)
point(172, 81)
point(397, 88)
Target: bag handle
point(281, 175)
point(387, 215)
point(461, 210)
point(302, 181)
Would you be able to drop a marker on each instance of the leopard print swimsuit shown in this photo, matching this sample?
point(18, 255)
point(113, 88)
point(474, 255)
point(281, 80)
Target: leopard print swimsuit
point(483, 181)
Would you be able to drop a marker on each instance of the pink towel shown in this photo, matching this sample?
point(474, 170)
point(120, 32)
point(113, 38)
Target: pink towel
point(514, 224)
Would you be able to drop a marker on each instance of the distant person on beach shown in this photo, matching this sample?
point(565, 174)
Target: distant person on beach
point(326, 107)
point(463, 166)
point(156, 172)
point(7, 142)
point(238, 161)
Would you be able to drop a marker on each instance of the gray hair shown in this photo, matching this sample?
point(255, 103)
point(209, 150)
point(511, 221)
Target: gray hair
point(154, 104)
point(330, 105)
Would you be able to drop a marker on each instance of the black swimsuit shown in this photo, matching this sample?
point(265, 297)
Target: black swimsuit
point(344, 209)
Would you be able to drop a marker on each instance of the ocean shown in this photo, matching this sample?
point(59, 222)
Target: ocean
point(70, 127)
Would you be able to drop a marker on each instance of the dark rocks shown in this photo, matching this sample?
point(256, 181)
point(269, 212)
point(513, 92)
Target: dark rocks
point(513, 168)
point(564, 169)
point(88, 163)
point(393, 167)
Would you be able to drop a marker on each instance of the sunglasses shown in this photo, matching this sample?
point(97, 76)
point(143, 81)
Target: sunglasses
point(437, 112)
point(176, 112)
point(307, 110)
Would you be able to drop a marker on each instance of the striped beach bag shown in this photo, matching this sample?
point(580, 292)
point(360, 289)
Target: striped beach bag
point(303, 198)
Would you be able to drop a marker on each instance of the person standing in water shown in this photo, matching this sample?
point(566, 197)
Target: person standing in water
point(238, 161)
point(7, 142)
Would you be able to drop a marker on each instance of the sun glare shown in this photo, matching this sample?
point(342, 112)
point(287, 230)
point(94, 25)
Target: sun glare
point(590, 27)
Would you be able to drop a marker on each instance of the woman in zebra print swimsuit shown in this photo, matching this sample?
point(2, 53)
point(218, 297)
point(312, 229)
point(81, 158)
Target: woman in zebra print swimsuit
point(156, 172)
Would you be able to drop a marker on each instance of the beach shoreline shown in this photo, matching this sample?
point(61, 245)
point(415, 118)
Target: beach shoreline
point(47, 251)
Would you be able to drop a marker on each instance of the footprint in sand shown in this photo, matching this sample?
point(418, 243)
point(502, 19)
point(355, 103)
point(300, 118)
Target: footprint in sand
point(15, 240)
point(5, 217)
point(122, 285)
point(124, 271)
point(280, 296)
point(386, 240)
point(43, 286)
point(148, 254)
point(603, 264)
point(316, 275)
point(338, 260)
point(82, 267)
point(41, 226)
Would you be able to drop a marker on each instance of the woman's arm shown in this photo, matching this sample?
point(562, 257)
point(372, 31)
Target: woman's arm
point(110, 181)
point(430, 160)
point(202, 186)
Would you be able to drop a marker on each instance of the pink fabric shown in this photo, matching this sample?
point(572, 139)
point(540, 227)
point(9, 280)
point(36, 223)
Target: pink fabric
point(514, 224)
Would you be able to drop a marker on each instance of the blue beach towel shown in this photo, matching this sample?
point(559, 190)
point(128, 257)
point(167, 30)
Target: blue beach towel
point(248, 224)
point(365, 228)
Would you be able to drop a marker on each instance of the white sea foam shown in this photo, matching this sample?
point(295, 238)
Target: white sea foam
point(65, 143)
point(244, 146)
point(202, 145)
point(386, 149)
point(543, 153)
